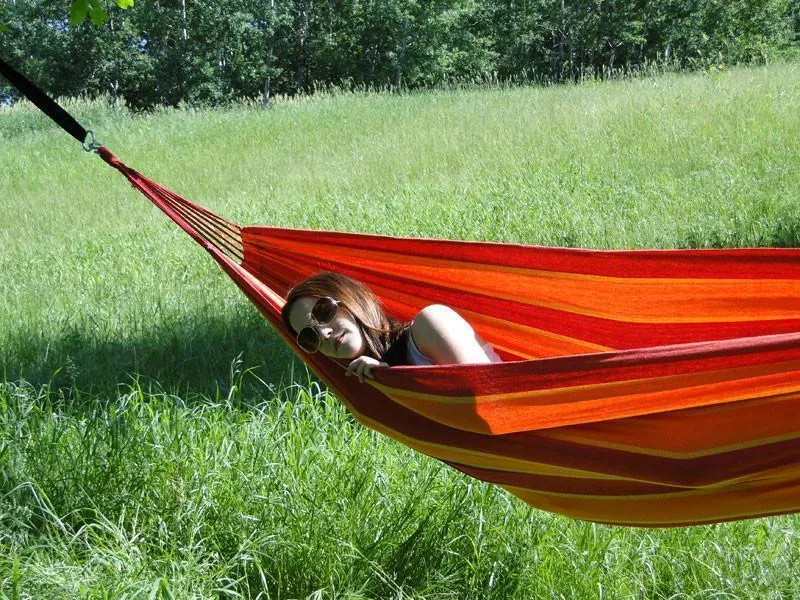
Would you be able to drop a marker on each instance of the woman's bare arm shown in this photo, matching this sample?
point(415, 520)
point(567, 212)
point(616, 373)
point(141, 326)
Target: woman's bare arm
point(444, 336)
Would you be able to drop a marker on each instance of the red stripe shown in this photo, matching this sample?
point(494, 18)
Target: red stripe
point(762, 263)
point(565, 485)
point(592, 369)
point(595, 330)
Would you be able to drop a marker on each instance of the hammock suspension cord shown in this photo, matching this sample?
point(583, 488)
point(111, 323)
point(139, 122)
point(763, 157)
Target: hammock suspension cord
point(206, 227)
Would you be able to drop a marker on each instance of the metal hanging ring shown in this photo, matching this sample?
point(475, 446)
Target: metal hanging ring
point(92, 146)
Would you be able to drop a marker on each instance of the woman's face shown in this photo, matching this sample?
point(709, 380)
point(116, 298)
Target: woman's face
point(340, 338)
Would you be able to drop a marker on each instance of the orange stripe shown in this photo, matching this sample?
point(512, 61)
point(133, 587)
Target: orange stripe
point(545, 343)
point(519, 339)
point(693, 433)
point(476, 458)
point(633, 300)
point(540, 409)
point(676, 508)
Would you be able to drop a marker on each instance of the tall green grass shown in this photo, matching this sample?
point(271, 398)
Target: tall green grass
point(158, 440)
point(148, 495)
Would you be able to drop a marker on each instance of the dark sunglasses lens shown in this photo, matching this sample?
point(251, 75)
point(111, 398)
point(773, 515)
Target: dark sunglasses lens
point(324, 310)
point(308, 340)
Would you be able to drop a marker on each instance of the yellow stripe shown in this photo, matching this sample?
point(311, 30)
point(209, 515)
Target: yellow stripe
point(731, 516)
point(657, 496)
point(475, 317)
point(722, 375)
point(596, 508)
point(478, 459)
point(647, 451)
point(686, 493)
point(513, 351)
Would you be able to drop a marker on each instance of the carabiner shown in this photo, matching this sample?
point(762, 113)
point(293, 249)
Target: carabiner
point(92, 146)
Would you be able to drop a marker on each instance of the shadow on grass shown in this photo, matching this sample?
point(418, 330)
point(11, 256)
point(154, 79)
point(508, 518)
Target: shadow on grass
point(206, 354)
point(185, 360)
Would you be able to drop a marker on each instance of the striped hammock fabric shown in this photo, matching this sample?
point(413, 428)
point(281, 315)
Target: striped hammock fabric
point(645, 388)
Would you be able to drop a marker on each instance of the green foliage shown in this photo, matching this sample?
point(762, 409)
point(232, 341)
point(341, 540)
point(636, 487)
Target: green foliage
point(169, 53)
point(80, 9)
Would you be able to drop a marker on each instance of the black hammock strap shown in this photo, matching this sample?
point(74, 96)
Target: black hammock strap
point(207, 228)
point(47, 105)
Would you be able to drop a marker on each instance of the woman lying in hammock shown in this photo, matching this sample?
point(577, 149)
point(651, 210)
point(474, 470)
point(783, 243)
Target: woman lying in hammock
point(342, 318)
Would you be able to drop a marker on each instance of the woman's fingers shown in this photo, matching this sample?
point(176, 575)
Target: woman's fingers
point(361, 367)
point(367, 370)
point(355, 368)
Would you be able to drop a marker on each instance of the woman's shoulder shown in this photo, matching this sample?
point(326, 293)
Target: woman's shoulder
point(435, 316)
point(445, 336)
point(438, 323)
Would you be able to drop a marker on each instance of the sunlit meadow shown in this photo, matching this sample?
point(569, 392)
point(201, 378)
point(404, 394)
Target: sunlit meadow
point(157, 440)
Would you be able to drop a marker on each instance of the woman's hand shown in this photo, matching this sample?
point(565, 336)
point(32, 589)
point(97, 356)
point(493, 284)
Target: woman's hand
point(362, 367)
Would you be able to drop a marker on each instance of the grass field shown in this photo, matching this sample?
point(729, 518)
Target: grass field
point(157, 440)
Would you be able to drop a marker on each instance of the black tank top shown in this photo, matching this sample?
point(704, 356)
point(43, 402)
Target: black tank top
point(397, 354)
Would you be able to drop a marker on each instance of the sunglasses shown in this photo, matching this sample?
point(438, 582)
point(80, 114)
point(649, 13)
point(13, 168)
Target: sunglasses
point(324, 312)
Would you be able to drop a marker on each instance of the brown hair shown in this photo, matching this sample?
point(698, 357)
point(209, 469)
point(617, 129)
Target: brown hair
point(379, 329)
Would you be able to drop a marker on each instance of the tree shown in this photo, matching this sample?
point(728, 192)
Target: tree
point(168, 52)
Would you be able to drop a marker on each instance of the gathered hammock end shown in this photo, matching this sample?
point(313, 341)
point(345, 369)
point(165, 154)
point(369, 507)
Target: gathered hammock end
point(643, 388)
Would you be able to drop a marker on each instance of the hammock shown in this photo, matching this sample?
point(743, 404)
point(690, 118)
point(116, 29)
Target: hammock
point(646, 388)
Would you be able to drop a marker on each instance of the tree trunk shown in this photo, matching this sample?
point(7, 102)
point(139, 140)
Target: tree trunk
point(184, 33)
